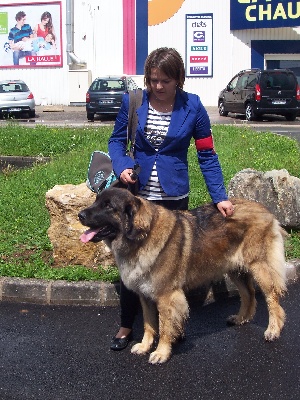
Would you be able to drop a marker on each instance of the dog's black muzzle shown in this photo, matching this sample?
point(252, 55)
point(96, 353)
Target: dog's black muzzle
point(82, 217)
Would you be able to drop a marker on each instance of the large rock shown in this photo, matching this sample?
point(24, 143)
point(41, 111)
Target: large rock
point(277, 190)
point(64, 202)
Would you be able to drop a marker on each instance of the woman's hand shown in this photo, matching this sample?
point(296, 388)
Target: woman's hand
point(125, 176)
point(226, 208)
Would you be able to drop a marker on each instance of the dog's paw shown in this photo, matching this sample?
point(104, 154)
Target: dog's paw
point(140, 349)
point(157, 357)
point(236, 320)
point(271, 335)
point(275, 325)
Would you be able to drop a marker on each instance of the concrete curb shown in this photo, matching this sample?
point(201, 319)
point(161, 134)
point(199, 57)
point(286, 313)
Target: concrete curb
point(51, 108)
point(96, 293)
point(59, 292)
point(20, 161)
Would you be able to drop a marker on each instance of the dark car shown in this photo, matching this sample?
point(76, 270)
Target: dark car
point(255, 92)
point(16, 98)
point(104, 96)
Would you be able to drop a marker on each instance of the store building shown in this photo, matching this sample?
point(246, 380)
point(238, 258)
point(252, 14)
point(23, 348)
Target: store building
point(98, 37)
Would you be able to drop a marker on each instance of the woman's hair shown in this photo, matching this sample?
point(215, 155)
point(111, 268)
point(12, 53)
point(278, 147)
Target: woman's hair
point(49, 24)
point(169, 61)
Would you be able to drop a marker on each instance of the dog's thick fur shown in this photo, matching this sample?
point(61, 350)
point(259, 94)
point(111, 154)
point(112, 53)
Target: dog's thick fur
point(161, 254)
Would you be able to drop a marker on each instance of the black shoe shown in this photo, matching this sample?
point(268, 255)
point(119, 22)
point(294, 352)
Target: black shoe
point(119, 344)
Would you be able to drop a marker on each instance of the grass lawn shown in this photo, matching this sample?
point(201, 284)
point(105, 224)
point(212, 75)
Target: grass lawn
point(25, 250)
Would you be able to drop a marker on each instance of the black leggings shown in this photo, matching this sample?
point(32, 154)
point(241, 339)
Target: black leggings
point(129, 301)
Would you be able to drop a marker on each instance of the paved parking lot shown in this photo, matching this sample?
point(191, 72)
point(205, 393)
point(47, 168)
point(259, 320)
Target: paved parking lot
point(62, 353)
point(76, 116)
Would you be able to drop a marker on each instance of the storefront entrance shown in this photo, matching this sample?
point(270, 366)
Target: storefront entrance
point(290, 61)
point(273, 54)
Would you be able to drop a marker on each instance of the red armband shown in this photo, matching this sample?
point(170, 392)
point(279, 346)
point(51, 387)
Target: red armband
point(205, 143)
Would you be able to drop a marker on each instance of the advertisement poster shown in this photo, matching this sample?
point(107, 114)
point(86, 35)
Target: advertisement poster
point(199, 45)
point(30, 35)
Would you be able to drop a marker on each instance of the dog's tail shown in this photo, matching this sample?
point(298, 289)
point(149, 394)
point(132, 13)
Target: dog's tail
point(276, 257)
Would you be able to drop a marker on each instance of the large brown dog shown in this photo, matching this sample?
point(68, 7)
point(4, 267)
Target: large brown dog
point(161, 254)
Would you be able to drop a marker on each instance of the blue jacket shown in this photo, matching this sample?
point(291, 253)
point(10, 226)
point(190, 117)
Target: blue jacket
point(189, 120)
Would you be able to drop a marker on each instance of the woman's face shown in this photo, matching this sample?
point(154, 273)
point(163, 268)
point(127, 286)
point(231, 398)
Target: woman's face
point(45, 21)
point(163, 87)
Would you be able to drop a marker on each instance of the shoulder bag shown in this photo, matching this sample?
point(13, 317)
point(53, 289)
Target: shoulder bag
point(100, 173)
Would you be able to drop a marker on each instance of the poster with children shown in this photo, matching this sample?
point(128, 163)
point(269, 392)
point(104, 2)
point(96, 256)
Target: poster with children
point(30, 35)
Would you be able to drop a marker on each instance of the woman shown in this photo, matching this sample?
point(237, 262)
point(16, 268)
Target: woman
point(169, 119)
point(45, 26)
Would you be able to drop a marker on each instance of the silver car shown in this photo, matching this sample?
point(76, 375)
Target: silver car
point(16, 98)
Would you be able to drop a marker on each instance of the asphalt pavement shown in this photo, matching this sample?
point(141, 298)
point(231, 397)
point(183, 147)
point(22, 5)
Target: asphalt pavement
point(62, 353)
point(75, 115)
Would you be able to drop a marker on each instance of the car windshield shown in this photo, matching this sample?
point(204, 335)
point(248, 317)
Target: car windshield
point(108, 85)
point(278, 80)
point(13, 87)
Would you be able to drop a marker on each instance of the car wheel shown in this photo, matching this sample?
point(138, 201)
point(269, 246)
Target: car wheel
point(90, 116)
point(291, 117)
point(31, 113)
point(222, 111)
point(250, 114)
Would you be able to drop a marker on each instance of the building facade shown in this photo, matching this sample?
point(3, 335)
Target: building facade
point(98, 37)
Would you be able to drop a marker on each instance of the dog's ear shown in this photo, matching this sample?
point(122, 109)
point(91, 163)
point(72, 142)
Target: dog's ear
point(139, 220)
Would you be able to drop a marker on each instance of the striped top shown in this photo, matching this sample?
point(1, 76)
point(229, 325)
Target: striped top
point(156, 129)
point(17, 34)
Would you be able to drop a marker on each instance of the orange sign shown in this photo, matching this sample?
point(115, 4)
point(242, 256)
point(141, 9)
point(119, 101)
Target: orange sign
point(161, 10)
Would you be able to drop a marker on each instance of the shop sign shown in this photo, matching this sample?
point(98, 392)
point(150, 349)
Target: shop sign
point(253, 14)
point(199, 45)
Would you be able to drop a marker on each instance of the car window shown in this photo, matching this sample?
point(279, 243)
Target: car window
point(251, 81)
point(242, 81)
point(232, 84)
point(13, 87)
point(278, 80)
point(107, 85)
point(116, 85)
point(95, 86)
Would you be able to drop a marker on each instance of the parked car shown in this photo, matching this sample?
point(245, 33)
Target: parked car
point(255, 92)
point(16, 98)
point(104, 96)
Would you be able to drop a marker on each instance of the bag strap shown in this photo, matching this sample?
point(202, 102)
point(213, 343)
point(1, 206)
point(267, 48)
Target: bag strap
point(135, 100)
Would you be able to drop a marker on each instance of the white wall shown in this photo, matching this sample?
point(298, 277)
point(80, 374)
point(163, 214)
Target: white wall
point(172, 34)
point(98, 35)
point(98, 40)
point(232, 50)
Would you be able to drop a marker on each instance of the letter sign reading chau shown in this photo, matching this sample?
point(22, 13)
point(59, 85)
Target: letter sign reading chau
point(253, 14)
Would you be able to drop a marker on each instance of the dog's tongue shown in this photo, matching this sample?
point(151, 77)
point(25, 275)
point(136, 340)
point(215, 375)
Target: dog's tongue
point(88, 235)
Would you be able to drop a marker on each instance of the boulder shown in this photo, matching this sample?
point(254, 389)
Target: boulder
point(277, 190)
point(63, 203)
